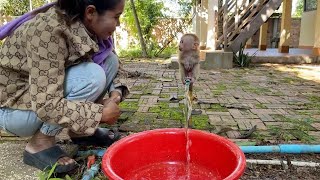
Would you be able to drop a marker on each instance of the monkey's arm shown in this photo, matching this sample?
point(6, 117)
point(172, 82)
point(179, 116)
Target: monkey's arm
point(182, 72)
point(194, 74)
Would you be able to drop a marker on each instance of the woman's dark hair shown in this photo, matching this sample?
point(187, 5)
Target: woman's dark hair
point(75, 8)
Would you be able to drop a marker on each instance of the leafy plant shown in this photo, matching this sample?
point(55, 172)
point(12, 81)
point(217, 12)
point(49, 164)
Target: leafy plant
point(130, 53)
point(160, 27)
point(148, 12)
point(136, 52)
point(299, 9)
point(18, 7)
point(241, 59)
point(48, 175)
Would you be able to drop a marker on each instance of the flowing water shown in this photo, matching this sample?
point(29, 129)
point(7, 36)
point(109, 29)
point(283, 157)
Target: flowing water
point(176, 170)
point(187, 112)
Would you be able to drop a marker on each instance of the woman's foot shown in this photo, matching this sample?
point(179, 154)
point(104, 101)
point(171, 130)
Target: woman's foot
point(102, 137)
point(40, 142)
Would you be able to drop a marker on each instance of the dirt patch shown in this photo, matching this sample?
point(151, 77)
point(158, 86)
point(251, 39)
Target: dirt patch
point(270, 172)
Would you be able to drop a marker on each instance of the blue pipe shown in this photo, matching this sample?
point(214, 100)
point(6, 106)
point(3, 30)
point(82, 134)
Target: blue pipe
point(90, 173)
point(97, 152)
point(282, 148)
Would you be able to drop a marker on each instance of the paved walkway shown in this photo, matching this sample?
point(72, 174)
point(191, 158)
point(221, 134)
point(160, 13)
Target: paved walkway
point(272, 55)
point(282, 101)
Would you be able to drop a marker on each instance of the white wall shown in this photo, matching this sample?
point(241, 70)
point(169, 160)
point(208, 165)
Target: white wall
point(307, 33)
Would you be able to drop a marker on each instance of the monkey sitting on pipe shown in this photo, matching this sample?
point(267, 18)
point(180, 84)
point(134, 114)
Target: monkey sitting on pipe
point(189, 58)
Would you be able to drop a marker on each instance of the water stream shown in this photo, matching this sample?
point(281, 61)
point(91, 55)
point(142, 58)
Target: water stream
point(187, 112)
point(176, 170)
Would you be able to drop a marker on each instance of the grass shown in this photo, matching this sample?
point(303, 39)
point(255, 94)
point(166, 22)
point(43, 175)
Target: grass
point(135, 96)
point(314, 98)
point(164, 112)
point(50, 175)
point(136, 52)
point(129, 106)
point(255, 89)
point(278, 93)
point(259, 137)
point(314, 102)
point(172, 113)
point(217, 108)
point(260, 106)
point(162, 95)
point(124, 117)
point(147, 91)
point(281, 134)
point(200, 121)
point(242, 83)
point(300, 129)
point(159, 107)
point(219, 89)
point(144, 118)
point(173, 90)
point(137, 88)
point(290, 80)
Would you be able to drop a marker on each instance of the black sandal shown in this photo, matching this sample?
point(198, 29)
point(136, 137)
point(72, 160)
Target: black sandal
point(101, 137)
point(45, 159)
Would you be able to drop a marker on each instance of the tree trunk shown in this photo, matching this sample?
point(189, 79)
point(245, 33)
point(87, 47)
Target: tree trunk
point(143, 45)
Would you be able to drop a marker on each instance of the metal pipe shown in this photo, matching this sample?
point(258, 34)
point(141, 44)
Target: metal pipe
point(280, 162)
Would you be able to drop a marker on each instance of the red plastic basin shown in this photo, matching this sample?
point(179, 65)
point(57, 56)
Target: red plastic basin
point(161, 154)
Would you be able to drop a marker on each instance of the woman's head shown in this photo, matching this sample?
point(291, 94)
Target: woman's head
point(99, 16)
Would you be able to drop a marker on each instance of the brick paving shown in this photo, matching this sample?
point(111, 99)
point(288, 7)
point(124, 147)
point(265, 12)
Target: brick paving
point(282, 101)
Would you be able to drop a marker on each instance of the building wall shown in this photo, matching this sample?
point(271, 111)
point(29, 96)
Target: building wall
point(307, 33)
point(274, 36)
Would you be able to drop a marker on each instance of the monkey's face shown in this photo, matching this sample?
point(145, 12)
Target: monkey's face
point(187, 43)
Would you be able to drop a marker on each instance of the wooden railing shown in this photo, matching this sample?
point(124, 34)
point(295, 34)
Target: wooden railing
point(236, 14)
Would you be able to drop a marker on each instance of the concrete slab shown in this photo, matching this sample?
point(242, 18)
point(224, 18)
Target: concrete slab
point(217, 60)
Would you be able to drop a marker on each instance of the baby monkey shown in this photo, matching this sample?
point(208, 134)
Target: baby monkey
point(189, 59)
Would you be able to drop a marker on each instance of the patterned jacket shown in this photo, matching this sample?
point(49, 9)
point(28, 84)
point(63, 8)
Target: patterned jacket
point(33, 60)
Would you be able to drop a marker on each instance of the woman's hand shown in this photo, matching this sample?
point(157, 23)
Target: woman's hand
point(111, 112)
point(115, 96)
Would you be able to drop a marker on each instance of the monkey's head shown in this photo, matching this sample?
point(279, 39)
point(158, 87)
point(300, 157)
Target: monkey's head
point(189, 42)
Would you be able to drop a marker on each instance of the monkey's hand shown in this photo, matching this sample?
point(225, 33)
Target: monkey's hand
point(193, 80)
point(191, 77)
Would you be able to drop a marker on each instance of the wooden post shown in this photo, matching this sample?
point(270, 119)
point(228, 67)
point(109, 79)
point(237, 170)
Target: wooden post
point(285, 27)
point(212, 22)
point(263, 37)
point(236, 18)
point(203, 24)
point(225, 24)
point(316, 47)
point(196, 20)
point(249, 44)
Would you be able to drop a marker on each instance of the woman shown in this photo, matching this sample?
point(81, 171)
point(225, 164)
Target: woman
point(54, 65)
